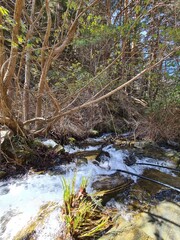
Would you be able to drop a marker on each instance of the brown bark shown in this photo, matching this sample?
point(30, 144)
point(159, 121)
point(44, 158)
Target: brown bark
point(6, 76)
point(28, 67)
point(16, 126)
point(2, 58)
point(14, 49)
point(47, 34)
point(108, 9)
point(55, 53)
point(14, 52)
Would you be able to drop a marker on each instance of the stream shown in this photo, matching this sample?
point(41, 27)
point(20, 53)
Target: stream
point(21, 198)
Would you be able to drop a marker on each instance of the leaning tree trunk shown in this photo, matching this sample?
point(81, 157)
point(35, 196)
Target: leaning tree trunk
point(7, 75)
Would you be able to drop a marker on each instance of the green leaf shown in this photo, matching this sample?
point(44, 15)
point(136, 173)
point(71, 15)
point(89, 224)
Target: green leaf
point(4, 11)
point(137, 9)
point(14, 44)
point(20, 39)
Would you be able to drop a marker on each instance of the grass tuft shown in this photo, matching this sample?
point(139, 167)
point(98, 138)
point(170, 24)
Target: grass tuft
point(85, 218)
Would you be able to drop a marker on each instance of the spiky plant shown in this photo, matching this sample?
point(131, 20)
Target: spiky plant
point(83, 216)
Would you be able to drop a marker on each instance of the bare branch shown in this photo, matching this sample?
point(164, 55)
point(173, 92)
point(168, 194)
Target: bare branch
point(87, 104)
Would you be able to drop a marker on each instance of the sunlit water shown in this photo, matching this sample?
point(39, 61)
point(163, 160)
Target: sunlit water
point(21, 199)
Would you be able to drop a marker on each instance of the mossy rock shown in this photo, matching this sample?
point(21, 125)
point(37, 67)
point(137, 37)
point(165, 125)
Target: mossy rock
point(174, 156)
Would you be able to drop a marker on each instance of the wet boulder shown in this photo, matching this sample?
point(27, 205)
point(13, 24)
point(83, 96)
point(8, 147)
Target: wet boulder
point(147, 190)
point(130, 160)
point(108, 186)
point(86, 155)
point(31, 229)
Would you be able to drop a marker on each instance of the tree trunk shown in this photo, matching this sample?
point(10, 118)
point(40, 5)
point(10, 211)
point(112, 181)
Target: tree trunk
point(26, 110)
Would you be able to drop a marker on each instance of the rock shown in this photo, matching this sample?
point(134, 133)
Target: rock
point(173, 144)
point(2, 174)
point(103, 156)
point(173, 156)
point(142, 144)
point(81, 161)
point(161, 222)
point(147, 190)
point(58, 149)
point(108, 186)
point(107, 182)
point(4, 134)
point(151, 187)
point(93, 132)
point(88, 155)
point(124, 230)
point(124, 143)
point(130, 160)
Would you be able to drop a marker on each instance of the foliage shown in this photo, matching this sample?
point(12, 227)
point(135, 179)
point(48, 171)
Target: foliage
point(83, 216)
point(56, 56)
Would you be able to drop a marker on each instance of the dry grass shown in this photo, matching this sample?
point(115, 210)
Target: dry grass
point(162, 125)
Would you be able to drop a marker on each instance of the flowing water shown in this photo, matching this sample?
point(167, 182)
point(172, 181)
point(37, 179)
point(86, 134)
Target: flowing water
point(21, 198)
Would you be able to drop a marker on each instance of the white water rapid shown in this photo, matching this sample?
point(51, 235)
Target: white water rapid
point(22, 198)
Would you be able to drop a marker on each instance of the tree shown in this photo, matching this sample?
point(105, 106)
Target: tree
point(103, 46)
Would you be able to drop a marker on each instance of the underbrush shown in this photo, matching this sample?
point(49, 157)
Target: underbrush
point(162, 124)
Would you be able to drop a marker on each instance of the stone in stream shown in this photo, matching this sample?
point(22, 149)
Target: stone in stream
point(147, 190)
point(130, 160)
point(108, 186)
point(160, 222)
point(104, 155)
point(86, 155)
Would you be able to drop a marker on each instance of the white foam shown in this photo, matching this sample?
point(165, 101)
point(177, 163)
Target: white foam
point(74, 149)
point(115, 162)
point(21, 199)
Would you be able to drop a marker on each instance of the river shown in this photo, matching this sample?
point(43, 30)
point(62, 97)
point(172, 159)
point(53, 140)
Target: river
point(22, 197)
